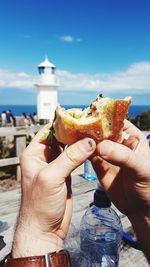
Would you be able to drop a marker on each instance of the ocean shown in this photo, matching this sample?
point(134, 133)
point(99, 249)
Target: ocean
point(17, 110)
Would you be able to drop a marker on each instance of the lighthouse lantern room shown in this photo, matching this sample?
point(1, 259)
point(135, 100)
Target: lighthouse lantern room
point(47, 88)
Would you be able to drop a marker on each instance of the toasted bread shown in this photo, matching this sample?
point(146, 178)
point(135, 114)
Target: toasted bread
point(102, 120)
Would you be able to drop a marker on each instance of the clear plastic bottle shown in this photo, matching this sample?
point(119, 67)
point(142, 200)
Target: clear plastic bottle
point(72, 245)
point(101, 232)
point(89, 173)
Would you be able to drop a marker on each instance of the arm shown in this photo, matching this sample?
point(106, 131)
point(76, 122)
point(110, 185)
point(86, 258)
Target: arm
point(124, 172)
point(46, 205)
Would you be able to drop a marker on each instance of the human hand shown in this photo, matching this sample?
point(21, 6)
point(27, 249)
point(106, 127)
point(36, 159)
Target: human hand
point(124, 172)
point(46, 205)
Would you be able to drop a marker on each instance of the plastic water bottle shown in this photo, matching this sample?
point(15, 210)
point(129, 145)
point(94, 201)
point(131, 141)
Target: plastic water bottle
point(89, 173)
point(72, 244)
point(101, 232)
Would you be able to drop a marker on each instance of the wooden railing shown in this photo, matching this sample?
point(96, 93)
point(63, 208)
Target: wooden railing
point(19, 134)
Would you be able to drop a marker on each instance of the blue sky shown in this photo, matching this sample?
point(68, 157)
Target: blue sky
point(96, 46)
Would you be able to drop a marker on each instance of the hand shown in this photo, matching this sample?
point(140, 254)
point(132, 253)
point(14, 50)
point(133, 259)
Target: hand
point(124, 172)
point(46, 205)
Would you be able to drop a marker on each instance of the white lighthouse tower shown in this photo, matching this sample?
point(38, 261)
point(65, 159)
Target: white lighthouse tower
point(46, 91)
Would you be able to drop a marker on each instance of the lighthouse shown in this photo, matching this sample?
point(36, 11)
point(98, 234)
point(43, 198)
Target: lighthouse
point(47, 88)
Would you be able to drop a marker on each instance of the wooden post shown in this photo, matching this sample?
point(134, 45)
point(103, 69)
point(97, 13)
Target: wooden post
point(20, 142)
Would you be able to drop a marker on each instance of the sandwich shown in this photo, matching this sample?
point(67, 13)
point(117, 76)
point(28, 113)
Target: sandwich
point(103, 119)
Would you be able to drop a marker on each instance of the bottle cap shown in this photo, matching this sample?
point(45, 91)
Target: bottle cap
point(101, 200)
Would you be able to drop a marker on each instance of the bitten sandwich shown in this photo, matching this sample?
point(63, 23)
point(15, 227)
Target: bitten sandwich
point(103, 119)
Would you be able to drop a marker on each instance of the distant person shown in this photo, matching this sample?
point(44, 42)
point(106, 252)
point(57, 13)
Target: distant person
point(35, 118)
point(31, 119)
point(12, 119)
point(8, 117)
point(26, 119)
point(3, 119)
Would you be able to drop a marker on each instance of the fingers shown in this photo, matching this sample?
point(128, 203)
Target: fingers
point(137, 160)
point(70, 159)
point(35, 148)
point(131, 129)
point(105, 171)
point(117, 154)
point(41, 132)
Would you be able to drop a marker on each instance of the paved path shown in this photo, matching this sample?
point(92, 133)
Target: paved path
point(83, 195)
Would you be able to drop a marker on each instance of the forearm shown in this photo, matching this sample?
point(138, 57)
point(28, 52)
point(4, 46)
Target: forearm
point(30, 242)
point(141, 226)
point(34, 249)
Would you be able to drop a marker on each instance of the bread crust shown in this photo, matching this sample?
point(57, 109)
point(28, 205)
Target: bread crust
point(108, 125)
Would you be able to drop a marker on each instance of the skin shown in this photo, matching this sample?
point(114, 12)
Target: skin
point(46, 207)
point(124, 172)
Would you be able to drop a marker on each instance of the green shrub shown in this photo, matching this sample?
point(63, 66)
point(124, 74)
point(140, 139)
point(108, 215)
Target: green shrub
point(6, 151)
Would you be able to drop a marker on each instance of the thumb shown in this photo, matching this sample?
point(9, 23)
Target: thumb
point(72, 157)
point(118, 154)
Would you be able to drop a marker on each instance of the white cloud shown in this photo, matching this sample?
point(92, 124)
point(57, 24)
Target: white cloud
point(67, 38)
point(70, 39)
point(134, 79)
point(13, 79)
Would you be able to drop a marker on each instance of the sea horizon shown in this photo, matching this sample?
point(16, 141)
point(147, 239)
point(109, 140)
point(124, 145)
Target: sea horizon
point(17, 110)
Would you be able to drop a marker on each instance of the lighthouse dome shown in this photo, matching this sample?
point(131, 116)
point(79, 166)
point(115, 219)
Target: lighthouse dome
point(46, 64)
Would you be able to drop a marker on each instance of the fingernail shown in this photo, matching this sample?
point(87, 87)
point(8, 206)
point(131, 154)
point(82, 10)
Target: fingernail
point(106, 148)
point(88, 144)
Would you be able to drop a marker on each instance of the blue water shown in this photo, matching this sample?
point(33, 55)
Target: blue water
point(19, 109)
